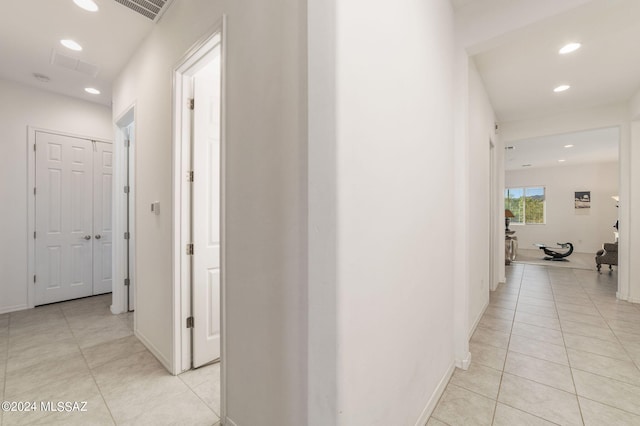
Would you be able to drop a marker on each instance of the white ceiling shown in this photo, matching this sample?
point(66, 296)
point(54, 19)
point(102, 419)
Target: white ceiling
point(521, 67)
point(30, 29)
point(521, 71)
point(591, 146)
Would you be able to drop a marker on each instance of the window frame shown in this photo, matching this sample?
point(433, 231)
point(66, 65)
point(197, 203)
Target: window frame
point(524, 206)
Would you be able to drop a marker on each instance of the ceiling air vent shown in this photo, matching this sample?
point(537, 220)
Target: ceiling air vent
point(68, 62)
point(152, 9)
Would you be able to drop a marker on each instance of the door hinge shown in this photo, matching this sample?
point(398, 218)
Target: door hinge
point(34, 190)
point(127, 281)
point(190, 176)
point(126, 189)
point(190, 249)
point(34, 146)
point(126, 235)
point(34, 235)
point(127, 143)
point(189, 322)
point(191, 103)
point(34, 279)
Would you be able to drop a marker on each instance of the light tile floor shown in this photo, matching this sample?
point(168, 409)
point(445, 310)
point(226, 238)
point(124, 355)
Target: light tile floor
point(553, 347)
point(79, 351)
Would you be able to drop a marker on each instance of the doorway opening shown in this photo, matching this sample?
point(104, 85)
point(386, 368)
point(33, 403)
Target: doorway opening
point(124, 217)
point(199, 206)
point(547, 180)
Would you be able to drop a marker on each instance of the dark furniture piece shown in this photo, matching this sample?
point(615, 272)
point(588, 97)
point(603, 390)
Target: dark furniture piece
point(607, 256)
point(556, 255)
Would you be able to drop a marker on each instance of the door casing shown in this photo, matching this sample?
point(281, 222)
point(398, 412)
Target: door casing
point(181, 205)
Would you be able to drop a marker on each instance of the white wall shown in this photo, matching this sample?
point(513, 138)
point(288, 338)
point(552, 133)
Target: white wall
point(393, 194)
point(266, 196)
point(479, 203)
point(633, 158)
point(22, 106)
point(587, 229)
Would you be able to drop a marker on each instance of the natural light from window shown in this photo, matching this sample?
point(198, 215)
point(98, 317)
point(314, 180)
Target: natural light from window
point(527, 204)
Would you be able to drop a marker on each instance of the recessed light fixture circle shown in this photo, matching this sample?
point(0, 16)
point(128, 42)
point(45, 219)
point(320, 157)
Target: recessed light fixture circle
point(561, 161)
point(92, 90)
point(71, 44)
point(561, 88)
point(568, 146)
point(89, 5)
point(570, 47)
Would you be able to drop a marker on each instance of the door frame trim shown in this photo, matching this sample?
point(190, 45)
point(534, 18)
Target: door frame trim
point(119, 299)
point(31, 201)
point(181, 147)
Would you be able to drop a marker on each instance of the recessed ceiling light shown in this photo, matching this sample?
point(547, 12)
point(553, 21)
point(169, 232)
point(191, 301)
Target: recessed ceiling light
point(89, 5)
point(568, 146)
point(510, 147)
point(92, 90)
point(526, 165)
point(568, 48)
point(561, 88)
point(70, 44)
point(561, 161)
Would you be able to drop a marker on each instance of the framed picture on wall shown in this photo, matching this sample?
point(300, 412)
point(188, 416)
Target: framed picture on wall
point(583, 199)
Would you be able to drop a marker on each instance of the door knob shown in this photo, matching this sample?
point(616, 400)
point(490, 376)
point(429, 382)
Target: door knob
point(97, 237)
point(87, 237)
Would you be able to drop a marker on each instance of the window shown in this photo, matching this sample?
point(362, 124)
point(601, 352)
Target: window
point(527, 204)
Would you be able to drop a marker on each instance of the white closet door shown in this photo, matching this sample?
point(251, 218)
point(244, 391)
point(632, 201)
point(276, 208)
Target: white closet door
point(102, 217)
point(206, 212)
point(64, 170)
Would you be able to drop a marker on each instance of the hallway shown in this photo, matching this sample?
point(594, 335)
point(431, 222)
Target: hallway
point(553, 347)
point(78, 351)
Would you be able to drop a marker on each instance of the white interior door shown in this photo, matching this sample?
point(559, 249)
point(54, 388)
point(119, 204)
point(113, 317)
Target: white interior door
point(206, 211)
point(102, 217)
point(64, 170)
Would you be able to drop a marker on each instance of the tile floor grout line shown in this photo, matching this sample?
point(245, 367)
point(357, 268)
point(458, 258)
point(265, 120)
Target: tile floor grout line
point(573, 380)
point(624, 348)
point(89, 368)
point(203, 401)
point(506, 354)
point(530, 414)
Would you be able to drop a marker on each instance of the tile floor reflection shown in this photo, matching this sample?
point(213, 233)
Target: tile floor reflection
point(553, 347)
point(79, 351)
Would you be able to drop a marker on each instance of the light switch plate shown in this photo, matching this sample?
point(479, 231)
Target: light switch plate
point(155, 207)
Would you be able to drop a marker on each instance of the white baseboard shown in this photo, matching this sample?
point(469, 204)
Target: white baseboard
point(164, 361)
point(14, 308)
point(621, 296)
point(632, 300)
point(477, 320)
point(464, 364)
point(435, 397)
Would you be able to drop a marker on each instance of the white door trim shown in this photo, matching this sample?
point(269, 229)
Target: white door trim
point(181, 210)
point(119, 301)
point(31, 201)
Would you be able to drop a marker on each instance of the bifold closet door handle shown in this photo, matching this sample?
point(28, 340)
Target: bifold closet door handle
point(97, 237)
point(87, 237)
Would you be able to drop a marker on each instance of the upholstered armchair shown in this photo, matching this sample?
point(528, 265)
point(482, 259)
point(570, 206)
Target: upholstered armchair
point(608, 255)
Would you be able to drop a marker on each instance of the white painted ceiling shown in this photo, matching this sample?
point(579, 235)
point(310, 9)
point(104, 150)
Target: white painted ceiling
point(521, 67)
point(31, 29)
point(521, 71)
point(590, 146)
